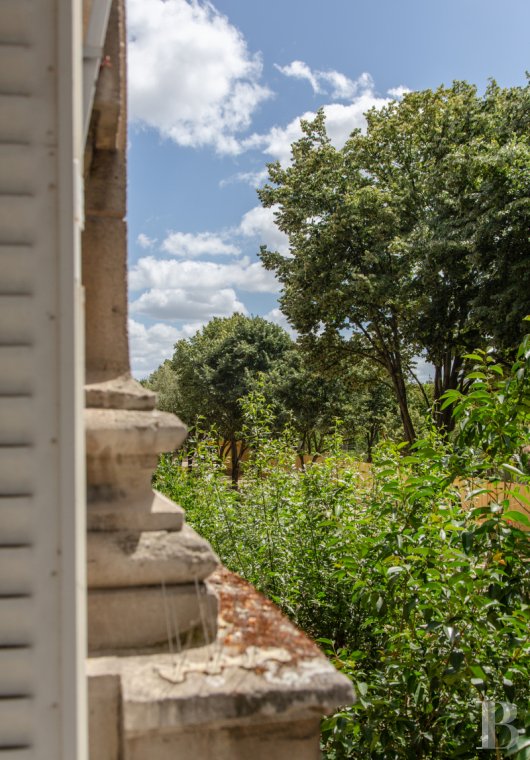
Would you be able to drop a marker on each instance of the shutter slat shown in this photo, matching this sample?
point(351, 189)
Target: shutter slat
point(16, 668)
point(18, 214)
point(15, 722)
point(16, 377)
point(16, 621)
point(17, 266)
point(16, 569)
point(17, 169)
point(17, 466)
point(16, 421)
point(16, 520)
point(15, 21)
point(16, 70)
point(16, 323)
point(16, 118)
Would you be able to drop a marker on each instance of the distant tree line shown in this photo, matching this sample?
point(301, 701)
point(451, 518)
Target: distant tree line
point(211, 371)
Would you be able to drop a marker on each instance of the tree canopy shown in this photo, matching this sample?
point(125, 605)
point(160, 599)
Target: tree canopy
point(211, 371)
point(413, 238)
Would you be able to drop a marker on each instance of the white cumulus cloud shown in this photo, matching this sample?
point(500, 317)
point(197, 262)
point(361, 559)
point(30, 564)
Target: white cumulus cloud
point(150, 346)
point(341, 120)
point(344, 88)
point(398, 92)
point(330, 82)
point(201, 278)
point(145, 242)
point(177, 303)
point(300, 70)
point(259, 223)
point(254, 179)
point(191, 75)
point(186, 244)
point(279, 318)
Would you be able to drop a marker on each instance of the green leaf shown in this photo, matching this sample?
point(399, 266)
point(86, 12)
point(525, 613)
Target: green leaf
point(511, 468)
point(395, 569)
point(518, 517)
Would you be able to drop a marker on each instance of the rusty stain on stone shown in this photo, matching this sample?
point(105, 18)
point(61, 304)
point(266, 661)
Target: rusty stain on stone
point(251, 620)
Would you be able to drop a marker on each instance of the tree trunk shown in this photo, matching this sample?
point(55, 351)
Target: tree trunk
point(390, 353)
point(401, 395)
point(371, 438)
point(446, 377)
point(234, 463)
point(368, 448)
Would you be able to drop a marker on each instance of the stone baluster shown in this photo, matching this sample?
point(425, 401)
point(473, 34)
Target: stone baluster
point(145, 566)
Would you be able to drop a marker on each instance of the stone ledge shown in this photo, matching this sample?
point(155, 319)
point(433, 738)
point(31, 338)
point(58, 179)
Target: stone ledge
point(260, 670)
point(204, 687)
point(122, 392)
point(127, 558)
point(151, 511)
point(131, 432)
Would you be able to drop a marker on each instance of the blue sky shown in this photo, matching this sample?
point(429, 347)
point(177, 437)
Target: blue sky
point(216, 91)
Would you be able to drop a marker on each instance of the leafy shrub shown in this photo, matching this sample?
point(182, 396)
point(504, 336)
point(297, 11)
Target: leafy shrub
point(415, 577)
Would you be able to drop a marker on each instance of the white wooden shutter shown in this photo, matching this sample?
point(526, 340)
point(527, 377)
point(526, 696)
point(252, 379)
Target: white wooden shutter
point(41, 449)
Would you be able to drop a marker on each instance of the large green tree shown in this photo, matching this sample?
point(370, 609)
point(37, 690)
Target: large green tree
point(409, 239)
point(219, 365)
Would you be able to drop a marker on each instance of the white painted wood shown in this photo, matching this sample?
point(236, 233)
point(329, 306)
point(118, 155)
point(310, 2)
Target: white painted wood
point(17, 420)
point(17, 470)
point(16, 722)
point(16, 265)
point(17, 622)
point(15, 118)
point(42, 585)
point(16, 70)
point(17, 370)
point(16, 323)
point(72, 494)
point(16, 22)
point(17, 675)
point(16, 519)
point(16, 570)
point(18, 217)
point(17, 168)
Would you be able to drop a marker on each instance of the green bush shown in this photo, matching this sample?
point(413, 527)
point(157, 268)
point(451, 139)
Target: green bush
point(423, 601)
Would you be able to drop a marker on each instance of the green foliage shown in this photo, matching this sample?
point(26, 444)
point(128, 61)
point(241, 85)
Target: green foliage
point(223, 362)
point(220, 364)
point(311, 399)
point(416, 584)
point(412, 238)
point(445, 591)
point(164, 382)
point(275, 530)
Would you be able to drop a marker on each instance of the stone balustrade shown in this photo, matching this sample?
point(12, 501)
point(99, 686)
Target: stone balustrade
point(186, 659)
